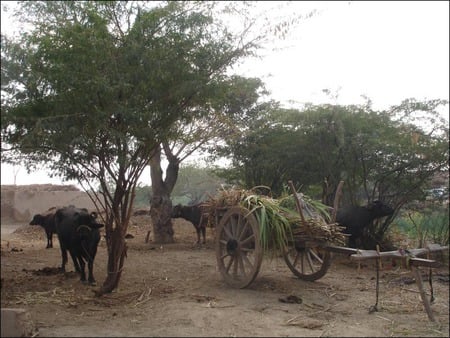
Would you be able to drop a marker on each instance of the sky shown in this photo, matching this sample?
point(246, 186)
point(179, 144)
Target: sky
point(387, 51)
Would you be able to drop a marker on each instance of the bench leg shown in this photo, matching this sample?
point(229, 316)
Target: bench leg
point(425, 301)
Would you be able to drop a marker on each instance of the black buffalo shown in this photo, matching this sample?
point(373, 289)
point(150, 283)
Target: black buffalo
point(194, 215)
point(78, 232)
point(355, 218)
point(47, 221)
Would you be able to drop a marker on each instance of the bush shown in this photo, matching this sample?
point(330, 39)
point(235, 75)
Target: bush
point(430, 226)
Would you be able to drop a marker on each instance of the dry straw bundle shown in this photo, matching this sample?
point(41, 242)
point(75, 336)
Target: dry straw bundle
point(278, 220)
point(314, 223)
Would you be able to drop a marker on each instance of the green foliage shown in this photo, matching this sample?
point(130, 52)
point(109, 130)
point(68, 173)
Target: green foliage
point(142, 197)
point(386, 155)
point(194, 183)
point(377, 154)
point(104, 90)
point(274, 222)
point(429, 226)
point(94, 89)
point(280, 223)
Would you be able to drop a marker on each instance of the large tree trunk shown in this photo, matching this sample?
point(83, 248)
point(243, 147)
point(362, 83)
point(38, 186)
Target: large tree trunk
point(161, 205)
point(162, 223)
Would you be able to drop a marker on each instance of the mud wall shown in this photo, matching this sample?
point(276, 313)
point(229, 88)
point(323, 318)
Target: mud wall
point(20, 203)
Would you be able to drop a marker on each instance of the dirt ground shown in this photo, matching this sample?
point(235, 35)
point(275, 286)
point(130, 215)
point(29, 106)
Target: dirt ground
point(176, 290)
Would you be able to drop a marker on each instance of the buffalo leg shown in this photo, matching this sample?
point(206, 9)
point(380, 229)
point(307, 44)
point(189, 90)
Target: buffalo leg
point(64, 258)
point(198, 234)
point(75, 261)
point(49, 239)
point(90, 261)
point(351, 242)
point(91, 278)
point(82, 269)
point(203, 234)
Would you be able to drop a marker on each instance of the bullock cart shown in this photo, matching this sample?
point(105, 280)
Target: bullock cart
point(239, 251)
point(240, 246)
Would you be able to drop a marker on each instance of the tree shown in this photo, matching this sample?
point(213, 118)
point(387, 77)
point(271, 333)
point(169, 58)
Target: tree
point(82, 110)
point(194, 183)
point(235, 98)
point(211, 101)
point(379, 154)
point(96, 90)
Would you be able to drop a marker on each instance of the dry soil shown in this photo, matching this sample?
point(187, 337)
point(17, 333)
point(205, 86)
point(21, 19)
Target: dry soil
point(176, 290)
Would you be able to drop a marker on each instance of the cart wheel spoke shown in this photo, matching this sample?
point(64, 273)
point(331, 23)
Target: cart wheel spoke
point(308, 263)
point(229, 263)
point(297, 255)
point(234, 224)
point(247, 261)
point(227, 232)
point(248, 240)
point(242, 229)
point(302, 260)
point(235, 266)
point(313, 253)
point(241, 265)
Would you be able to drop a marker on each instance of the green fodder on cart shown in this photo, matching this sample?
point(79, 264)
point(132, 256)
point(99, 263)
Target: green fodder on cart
point(274, 222)
point(279, 223)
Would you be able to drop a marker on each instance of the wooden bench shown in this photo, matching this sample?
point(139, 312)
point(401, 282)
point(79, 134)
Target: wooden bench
point(409, 259)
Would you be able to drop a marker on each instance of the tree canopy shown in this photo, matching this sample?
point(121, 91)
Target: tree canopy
point(95, 90)
point(386, 155)
point(339, 142)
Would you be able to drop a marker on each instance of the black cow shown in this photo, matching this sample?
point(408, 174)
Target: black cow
point(47, 221)
point(78, 232)
point(355, 219)
point(192, 214)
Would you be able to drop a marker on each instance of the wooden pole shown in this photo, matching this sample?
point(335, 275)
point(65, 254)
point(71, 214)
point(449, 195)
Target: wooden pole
point(297, 201)
point(425, 301)
point(380, 265)
point(337, 198)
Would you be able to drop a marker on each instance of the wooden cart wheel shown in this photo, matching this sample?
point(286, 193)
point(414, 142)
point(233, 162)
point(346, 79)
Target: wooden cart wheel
point(238, 248)
point(307, 262)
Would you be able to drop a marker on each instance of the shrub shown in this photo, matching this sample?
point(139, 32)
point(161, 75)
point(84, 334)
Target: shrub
point(430, 226)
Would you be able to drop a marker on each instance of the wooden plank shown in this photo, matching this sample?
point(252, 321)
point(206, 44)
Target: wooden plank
point(372, 254)
point(394, 254)
point(362, 255)
point(425, 301)
point(367, 254)
point(424, 262)
point(436, 247)
point(429, 248)
point(341, 249)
